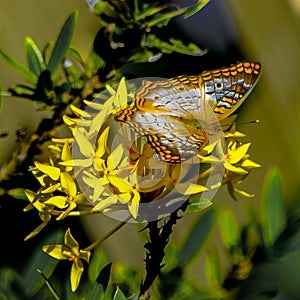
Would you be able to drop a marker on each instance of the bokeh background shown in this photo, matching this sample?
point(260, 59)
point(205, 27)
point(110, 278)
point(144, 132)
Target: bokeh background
point(266, 31)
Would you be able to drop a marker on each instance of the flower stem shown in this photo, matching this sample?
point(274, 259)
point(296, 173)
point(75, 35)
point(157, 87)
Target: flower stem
point(106, 236)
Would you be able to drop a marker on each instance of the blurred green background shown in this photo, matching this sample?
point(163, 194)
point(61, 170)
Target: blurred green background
point(265, 31)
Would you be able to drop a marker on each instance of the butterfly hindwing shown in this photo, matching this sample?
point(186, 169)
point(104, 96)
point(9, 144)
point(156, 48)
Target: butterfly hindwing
point(170, 139)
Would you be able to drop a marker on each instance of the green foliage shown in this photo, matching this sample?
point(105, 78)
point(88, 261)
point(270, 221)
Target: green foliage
point(59, 78)
point(272, 207)
point(62, 43)
point(196, 238)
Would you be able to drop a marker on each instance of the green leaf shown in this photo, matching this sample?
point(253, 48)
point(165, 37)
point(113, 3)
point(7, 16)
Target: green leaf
point(191, 10)
point(273, 212)
point(50, 287)
point(17, 193)
point(77, 55)
point(62, 43)
point(161, 19)
point(99, 7)
point(144, 55)
point(119, 295)
point(152, 41)
point(146, 12)
point(34, 57)
point(213, 268)
point(97, 263)
point(229, 228)
point(21, 90)
point(197, 237)
point(1, 98)
point(197, 204)
point(27, 74)
point(40, 260)
point(11, 284)
point(104, 275)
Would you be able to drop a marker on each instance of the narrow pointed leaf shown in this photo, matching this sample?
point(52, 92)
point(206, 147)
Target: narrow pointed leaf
point(213, 269)
point(229, 228)
point(191, 10)
point(17, 193)
point(104, 275)
point(63, 43)
point(34, 57)
point(197, 203)
point(174, 45)
point(39, 260)
point(27, 74)
point(119, 295)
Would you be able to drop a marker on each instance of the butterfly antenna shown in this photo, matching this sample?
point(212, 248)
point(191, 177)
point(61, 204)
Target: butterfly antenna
point(249, 122)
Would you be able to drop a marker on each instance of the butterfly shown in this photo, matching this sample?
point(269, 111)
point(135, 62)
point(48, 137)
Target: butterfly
point(172, 114)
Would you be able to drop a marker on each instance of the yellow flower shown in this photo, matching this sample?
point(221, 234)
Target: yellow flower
point(36, 201)
point(70, 250)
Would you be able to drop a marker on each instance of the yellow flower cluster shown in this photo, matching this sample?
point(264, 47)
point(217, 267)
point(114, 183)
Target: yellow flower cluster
point(87, 174)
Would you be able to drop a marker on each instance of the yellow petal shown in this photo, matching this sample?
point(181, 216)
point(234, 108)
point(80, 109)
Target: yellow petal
point(113, 199)
point(93, 105)
point(52, 172)
point(243, 193)
point(30, 195)
point(58, 201)
point(237, 154)
point(51, 188)
point(114, 158)
point(70, 241)
point(85, 146)
point(62, 140)
point(83, 254)
point(67, 183)
point(250, 164)
point(110, 89)
point(102, 143)
point(236, 134)
point(77, 162)
point(234, 169)
point(122, 185)
point(90, 179)
point(66, 152)
point(98, 190)
point(80, 112)
point(37, 230)
point(64, 214)
point(133, 206)
point(125, 197)
point(98, 120)
point(76, 272)
point(69, 121)
point(121, 95)
point(57, 251)
point(194, 189)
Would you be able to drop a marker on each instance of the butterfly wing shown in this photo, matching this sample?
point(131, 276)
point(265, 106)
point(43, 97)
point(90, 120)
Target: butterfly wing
point(177, 97)
point(170, 139)
point(168, 112)
point(227, 88)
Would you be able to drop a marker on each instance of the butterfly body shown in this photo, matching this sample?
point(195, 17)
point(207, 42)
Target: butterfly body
point(177, 115)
